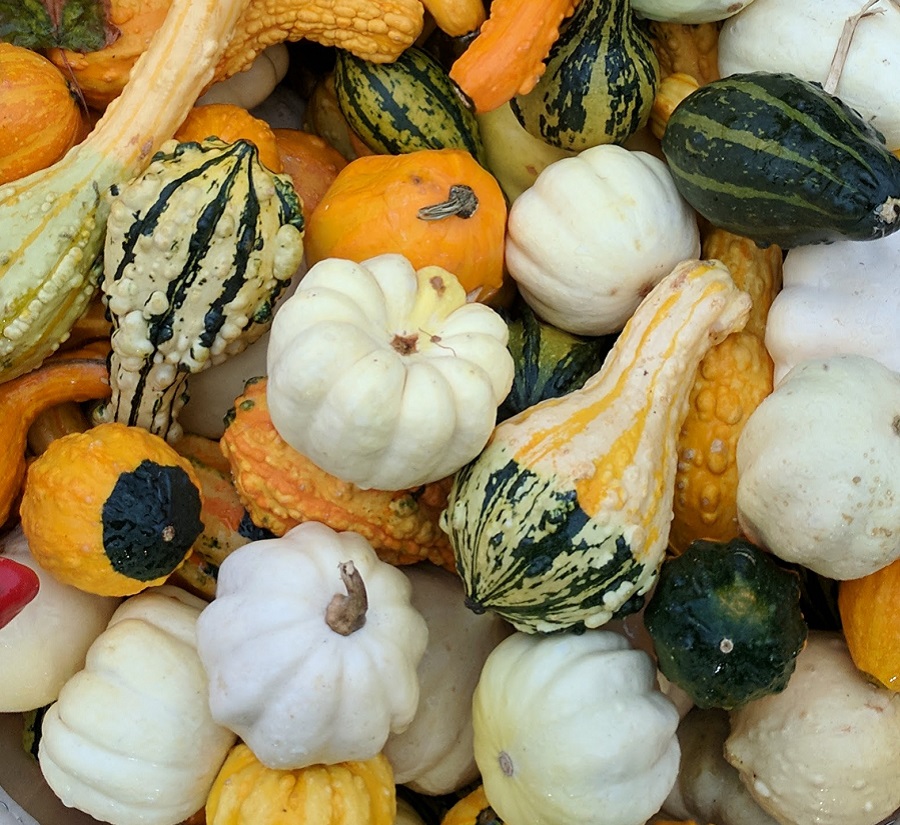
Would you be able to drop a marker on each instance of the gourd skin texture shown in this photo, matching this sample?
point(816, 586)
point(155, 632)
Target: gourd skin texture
point(598, 464)
point(572, 728)
point(131, 740)
point(624, 228)
point(825, 747)
point(383, 376)
point(689, 11)
point(818, 464)
point(296, 691)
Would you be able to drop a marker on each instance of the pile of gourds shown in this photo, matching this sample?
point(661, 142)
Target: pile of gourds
point(455, 412)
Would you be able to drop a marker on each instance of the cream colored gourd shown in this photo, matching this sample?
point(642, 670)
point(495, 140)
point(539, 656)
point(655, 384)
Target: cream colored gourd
point(383, 376)
point(818, 466)
point(47, 643)
point(53, 220)
point(594, 234)
point(311, 646)
point(434, 755)
point(252, 86)
point(802, 36)
point(131, 740)
point(572, 728)
point(842, 297)
point(824, 749)
point(688, 11)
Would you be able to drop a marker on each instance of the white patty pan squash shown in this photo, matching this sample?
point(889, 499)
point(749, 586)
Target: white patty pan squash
point(842, 297)
point(819, 467)
point(573, 728)
point(131, 740)
point(46, 643)
point(801, 37)
point(311, 646)
point(594, 234)
point(688, 11)
point(383, 376)
point(824, 750)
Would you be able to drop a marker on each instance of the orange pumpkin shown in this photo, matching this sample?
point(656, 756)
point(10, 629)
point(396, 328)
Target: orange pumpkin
point(311, 162)
point(229, 123)
point(40, 118)
point(870, 615)
point(435, 206)
point(472, 809)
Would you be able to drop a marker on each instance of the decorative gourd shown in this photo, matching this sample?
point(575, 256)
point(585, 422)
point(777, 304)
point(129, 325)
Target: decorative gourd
point(252, 86)
point(40, 119)
point(47, 642)
point(322, 116)
point(311, 163)
point(437, 207)
point(689, 11)
point(54, 220)
point(549, 362)
point(456, 17)
point(435, 755)
point(120, 528)
point(472, 809)
point(311, 646)
point(585, 270)
point(385, 376)
point(726, 623)
point(826, 746)
point(778, 159)
point(246, 792)
point(686, 49)
point(282, 488)
point(130, 739)
point(838, 298)
point(216, 292)
point(870, 618)
point(572, 728)
point(763, 38)
point(671, 91)
point(406, 105)
point(598, 464)
point(599, 80)
point(816, 461)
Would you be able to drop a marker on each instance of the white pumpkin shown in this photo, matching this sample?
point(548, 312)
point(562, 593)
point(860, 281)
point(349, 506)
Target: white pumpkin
point(837, 298)
point(131, 740)
point(311, 646)
point(572, 728)
point(435, 754)
point(383, 376)
point(819, 467)
point(801, 36)
point(594, 234)
point(46, 643)
point(688, 11)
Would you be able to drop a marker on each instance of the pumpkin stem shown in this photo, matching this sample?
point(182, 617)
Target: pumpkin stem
point(461, 201)
point(843, 46)
point(347, 613)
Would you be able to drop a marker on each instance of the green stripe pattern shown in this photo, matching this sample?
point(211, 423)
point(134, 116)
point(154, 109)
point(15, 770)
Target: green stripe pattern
point(776, 158)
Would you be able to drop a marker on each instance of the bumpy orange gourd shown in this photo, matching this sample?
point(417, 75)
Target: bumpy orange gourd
point(312, 163)
point(246, 792)
point(870, 616)
point(732, 380)
point(40, 118)
point(472, 809)
point(229, 123)
point(437, 207)
point(689, 48)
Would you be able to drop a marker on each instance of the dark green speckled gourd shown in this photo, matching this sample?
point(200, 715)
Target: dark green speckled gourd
point(601, 77)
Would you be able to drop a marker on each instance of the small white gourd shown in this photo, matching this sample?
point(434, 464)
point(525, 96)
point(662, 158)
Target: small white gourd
point(688, 11)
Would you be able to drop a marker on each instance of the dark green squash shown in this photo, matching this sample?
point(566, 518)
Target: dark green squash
point(726, 623)
point(779, 160)
point(600, 80)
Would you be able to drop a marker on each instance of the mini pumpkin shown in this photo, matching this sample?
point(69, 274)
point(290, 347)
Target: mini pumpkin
point(122, 526)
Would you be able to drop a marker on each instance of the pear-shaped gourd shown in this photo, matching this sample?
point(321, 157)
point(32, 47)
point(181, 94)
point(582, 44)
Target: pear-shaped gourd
point(563, 519)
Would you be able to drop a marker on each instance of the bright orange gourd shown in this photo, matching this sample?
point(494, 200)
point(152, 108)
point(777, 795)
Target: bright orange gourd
point(472, 809)
point(437, 207)
point(312, 163)
point(229, 123)
point(40, 118)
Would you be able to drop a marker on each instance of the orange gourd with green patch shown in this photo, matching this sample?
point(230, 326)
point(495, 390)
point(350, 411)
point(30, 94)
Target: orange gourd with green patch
point(563, 519)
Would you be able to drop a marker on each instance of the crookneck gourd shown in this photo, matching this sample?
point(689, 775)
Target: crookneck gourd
point(562, 520)
point(198, 249)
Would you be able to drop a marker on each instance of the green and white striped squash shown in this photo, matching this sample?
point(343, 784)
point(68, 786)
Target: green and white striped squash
point(777, 159)
point(406, 105)
point(600, 80)
point(562, 521)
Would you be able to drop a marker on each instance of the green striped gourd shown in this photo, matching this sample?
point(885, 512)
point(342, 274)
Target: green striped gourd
point(600, 80)
point(777, 159)
point(563, 519)
point(198, 248)
point(53, 220)
point(404, 106)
